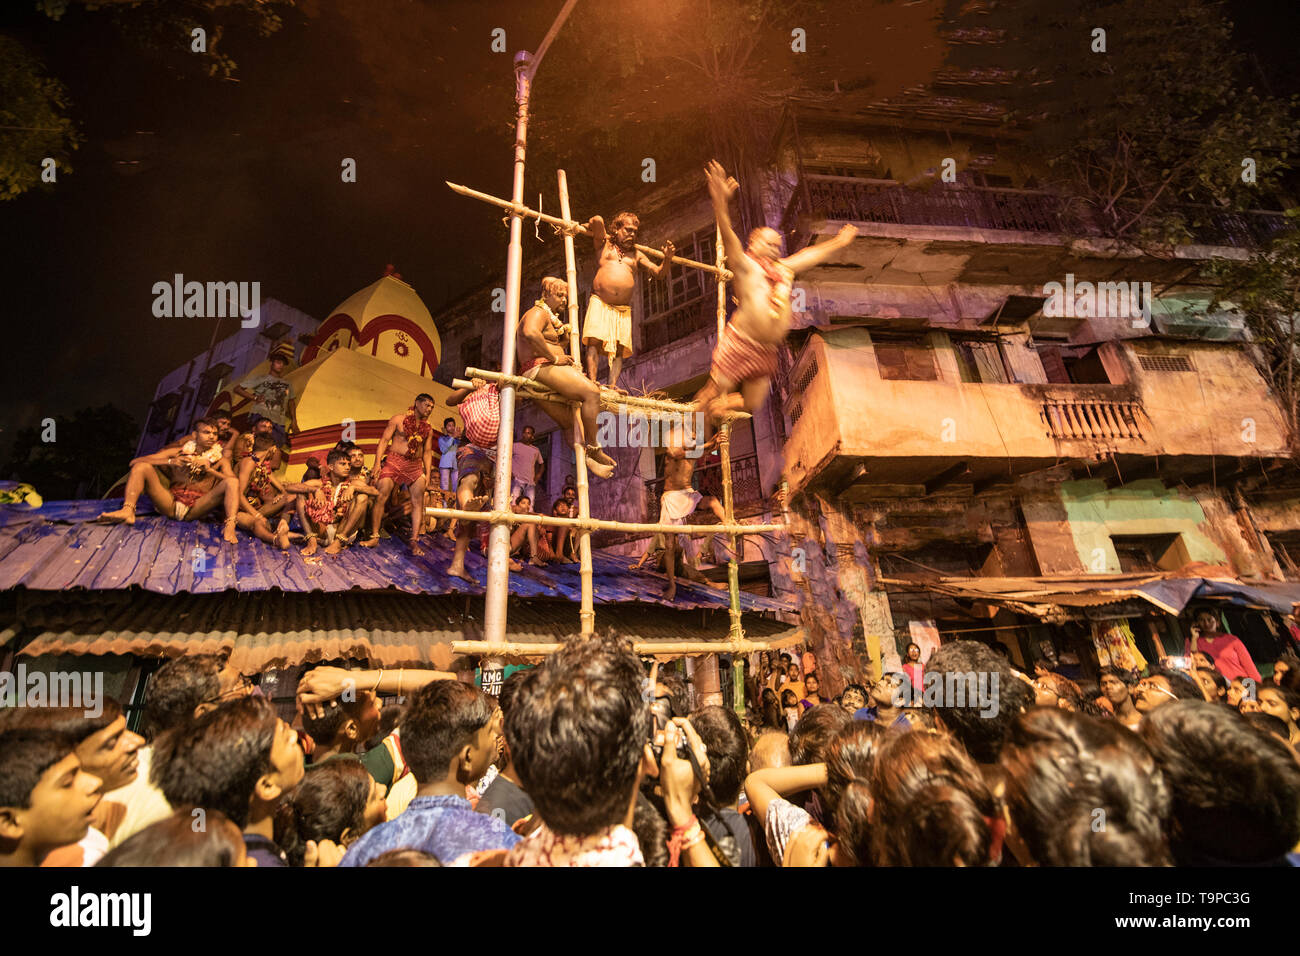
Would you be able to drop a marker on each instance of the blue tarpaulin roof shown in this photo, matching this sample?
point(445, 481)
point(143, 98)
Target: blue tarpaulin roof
point(60, 547)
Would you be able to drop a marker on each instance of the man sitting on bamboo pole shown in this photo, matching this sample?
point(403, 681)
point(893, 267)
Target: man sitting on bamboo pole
point(609, 311)
point(542, 358)
point(745, 357)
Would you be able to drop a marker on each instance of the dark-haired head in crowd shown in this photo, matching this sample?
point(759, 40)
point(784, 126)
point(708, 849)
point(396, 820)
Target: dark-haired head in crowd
point(1116, 688)
point(1268, 724)
point(344, 725)
point(46, 799)
point(1284, 704)
point(106, 749)
point(1214, 686)
point(979, 731)
point(931, 805)
point(1163, 685)
point(1082, 792)
point(578, 728)
point(728, 749)
point(809, 741)
point(1235, 790)
point(239, 758)
point(853, 699)
point(405, 858)
point(849, 763)
point(450, 736)
point(505, 797)
point(337, 801)
point(179, 840)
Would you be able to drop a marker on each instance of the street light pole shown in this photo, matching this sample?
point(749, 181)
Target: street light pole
point(498, 578)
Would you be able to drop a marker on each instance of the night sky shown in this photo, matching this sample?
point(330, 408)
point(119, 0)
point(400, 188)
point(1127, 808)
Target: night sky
point(231, 181)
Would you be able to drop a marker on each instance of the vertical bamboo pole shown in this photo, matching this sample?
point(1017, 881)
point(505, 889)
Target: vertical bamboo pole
point(724, 449)
point(587, 616)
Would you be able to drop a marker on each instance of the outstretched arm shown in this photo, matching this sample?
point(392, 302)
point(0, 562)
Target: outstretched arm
point(815, 255)
point(721, 189)
point(460, 394)
point(659, 270)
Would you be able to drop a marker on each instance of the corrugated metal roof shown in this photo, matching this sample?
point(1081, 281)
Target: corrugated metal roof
point(274, 629)
point(59, 547)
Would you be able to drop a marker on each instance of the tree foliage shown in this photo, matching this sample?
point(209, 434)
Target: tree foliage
point(91, 450)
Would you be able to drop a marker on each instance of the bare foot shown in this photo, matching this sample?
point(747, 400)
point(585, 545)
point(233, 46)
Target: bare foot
point(282, 536)
point(537, 562)
point(459, 572)
point(600, 470)
point(477, 503)
point(334, 547)
point(670, 592)
point(515, 565)
point(370, 542)
point(123, 515)
point(596, 453)
point(312, 544)
point(416, 550)
point(228, 535)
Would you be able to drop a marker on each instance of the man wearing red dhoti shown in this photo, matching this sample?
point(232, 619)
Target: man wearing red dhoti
point(408, 463)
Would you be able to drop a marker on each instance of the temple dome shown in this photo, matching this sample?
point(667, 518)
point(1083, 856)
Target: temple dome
point(386, 319)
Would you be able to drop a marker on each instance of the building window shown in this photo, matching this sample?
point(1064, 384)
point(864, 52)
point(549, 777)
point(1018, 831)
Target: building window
point(684, 286)
point(1079, 366)
point(906, 360)
point(1150, 552)
point(980, 361)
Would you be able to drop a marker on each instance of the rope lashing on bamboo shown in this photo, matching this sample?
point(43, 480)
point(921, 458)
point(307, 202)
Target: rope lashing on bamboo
point(577, 228)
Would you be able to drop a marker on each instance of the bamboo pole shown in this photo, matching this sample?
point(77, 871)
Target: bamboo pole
point(507, 517)
point(746, 646)
point(587, 612)
point(517, 209)
point(733, 570)
point(608, 397)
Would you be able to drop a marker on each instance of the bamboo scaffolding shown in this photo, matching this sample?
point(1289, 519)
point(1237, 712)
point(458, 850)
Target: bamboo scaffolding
point(571, 226)
point(736, 631)
point(745, 646)
point(608, 397)
point(587, 612)
point(507, 517)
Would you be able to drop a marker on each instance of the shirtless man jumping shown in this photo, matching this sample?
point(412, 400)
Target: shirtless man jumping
point(409, 462)
point(746, 355)
point(543, 359)
point(609, 312)
point(200, 480)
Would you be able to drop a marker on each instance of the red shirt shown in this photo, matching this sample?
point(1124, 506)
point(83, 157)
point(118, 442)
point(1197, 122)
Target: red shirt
point(1231, 658)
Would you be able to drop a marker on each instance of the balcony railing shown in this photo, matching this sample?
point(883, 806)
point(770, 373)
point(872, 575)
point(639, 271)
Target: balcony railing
point(679, 322)
point(980, 207)
point(886, 201)
point(1092, 419)
point(745, 486)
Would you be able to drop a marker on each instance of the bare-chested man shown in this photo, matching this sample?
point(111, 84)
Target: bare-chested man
point(480, 410)
point(680, 498)
point(200, 481)
point(240, 445)
point(409, 462)
point(333, 505)
point(746, 355)
point(543, 359)
point(262, 497)
point(608, 325)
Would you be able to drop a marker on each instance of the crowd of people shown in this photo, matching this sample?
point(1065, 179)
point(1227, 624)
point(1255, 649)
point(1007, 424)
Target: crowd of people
point(595, 757)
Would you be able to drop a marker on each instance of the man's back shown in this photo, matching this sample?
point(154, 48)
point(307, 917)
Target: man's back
point(445, 826)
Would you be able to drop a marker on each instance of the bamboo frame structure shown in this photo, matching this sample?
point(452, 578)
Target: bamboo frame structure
point(567, 225)
point(520, 649)
point(502, 518)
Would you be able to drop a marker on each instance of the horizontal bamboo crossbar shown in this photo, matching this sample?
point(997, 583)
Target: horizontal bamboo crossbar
point(599, 524)
point(608, 397)
point(743, 646)
point(579, 228)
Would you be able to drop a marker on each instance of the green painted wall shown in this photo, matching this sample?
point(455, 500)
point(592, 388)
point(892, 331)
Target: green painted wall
point(1144, 507)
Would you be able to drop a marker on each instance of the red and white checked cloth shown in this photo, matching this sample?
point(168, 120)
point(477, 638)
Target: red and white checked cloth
point(738, 358)
point(481, 412)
